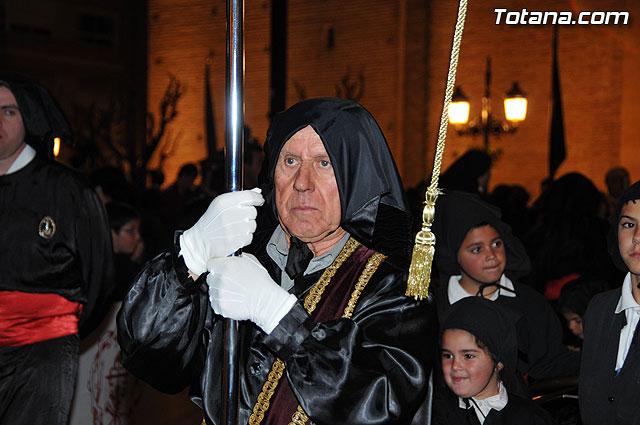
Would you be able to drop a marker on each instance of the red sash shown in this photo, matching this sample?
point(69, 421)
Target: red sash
point(340, 289)
point(27, 318)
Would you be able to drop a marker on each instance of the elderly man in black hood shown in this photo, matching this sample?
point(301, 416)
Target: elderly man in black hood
point(330, 337)
point(55, 259)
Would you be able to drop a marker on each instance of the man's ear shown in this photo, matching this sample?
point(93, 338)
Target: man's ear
point(499, 366)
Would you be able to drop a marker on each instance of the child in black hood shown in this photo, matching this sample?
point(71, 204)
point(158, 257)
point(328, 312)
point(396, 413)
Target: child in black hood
point(477, 255)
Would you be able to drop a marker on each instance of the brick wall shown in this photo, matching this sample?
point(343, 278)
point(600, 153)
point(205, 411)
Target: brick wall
point(181, 36)
point(401, 48)
point(598, 82)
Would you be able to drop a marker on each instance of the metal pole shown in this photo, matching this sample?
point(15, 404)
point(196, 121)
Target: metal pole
point(233, 178)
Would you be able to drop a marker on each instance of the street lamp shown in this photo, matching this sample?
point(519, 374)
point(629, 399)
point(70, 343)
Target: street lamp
point(515, 111)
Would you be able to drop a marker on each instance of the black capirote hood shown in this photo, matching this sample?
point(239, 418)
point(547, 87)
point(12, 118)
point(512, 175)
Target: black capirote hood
point(372, 197)
point(492, 324)
point(459, 212)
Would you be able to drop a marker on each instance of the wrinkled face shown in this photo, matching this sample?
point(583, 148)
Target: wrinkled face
point(127, 239)
point(574, 323)
point(468, 369)
point(11, 128)
point(307, 197)
point(629, 236)
point(481, 255)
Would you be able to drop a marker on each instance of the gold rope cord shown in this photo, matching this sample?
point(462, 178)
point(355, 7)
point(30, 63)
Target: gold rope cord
point(424, 248)
point(300, 417)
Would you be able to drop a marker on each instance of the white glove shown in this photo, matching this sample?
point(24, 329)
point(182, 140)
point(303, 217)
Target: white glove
point(226, 226)
point(241, 289)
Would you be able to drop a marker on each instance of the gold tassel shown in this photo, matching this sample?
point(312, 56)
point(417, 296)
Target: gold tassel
point(423, 250)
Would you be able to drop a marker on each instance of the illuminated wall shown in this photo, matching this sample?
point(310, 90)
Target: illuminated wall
point(398, 52)
point(599, 81)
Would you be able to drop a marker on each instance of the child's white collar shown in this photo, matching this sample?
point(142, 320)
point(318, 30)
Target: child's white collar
point(456, 292)
point(484, 406)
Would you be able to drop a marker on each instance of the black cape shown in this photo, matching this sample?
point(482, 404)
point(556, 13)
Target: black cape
point(76, 262)
point(371, 368)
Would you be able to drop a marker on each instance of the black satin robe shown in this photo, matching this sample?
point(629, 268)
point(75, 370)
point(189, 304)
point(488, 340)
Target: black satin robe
point(371, 369)
point(76, 261)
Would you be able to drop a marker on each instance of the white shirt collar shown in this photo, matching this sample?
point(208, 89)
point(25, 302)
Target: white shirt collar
point(25, 157)
point(626, 299)
point(456, 292)
point(631, 310)
point(484, 406)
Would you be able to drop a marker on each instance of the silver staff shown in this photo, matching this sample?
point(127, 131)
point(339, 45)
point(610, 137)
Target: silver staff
point(234, 134)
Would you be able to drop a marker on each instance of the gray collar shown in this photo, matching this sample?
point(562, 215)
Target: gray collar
point(278, 251)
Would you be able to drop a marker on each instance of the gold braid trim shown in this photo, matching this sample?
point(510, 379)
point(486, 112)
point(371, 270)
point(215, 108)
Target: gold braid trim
point(310, 303)
point(300, 417)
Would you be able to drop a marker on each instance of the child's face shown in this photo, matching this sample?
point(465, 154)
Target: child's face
point(574, 323)
point(127, 239)
point(629, 236)
point(481, 255)
point(468, 369)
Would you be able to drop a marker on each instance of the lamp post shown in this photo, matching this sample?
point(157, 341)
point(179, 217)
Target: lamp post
point(515, 110)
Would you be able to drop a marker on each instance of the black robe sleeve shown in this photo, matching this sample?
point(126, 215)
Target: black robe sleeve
point(95, 259)
point(372, 368)
point(160, 324)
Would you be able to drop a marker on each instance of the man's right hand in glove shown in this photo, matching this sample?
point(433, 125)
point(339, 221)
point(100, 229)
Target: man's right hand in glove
point(226, 226)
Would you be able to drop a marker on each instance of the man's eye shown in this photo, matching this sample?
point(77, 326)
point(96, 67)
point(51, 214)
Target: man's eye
point(289, 161)
point(10, 112)
point(325, 164)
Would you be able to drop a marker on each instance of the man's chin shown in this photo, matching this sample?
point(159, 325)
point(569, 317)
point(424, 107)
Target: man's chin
point(311, 235)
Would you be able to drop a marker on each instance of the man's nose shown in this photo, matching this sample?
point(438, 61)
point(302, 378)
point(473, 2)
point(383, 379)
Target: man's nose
point(304, 178)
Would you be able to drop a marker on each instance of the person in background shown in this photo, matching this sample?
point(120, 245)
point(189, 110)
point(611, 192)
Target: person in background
point(105, 391)
point(609, 383)
point(469, 173)
point(569, 238)
point(55, 259)
point(572, 304)
point(617, 180)
point(128, 245)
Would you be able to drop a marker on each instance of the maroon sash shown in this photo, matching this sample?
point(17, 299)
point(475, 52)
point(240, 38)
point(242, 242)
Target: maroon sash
point(331, 306)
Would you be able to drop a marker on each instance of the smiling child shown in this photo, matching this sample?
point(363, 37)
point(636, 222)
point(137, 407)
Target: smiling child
point(478, 346)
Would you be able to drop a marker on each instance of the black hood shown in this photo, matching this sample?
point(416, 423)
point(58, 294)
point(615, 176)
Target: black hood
point(493, 325)
point(459, 212)
point(631, 194)
point(42, 117)
point(374, 207)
